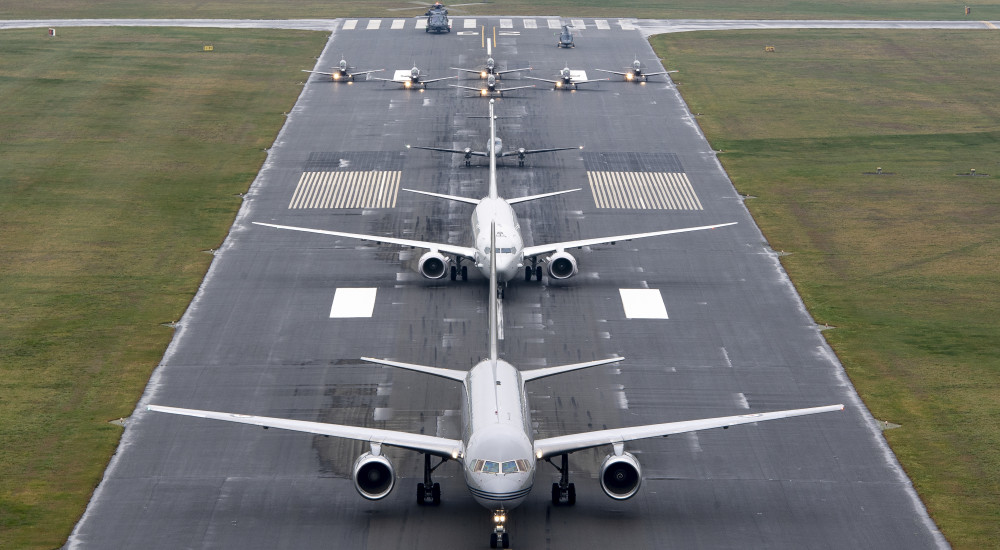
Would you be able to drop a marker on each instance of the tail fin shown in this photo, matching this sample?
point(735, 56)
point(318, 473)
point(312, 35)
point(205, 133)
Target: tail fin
point(494, 296)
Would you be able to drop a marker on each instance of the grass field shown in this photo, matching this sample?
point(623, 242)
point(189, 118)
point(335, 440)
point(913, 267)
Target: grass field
point(705, 9)
point(903, 264)
point(123, 154)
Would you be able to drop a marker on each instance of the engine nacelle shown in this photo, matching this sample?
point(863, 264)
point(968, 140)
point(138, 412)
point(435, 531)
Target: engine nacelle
point(562, 265)
point(621, 476)
point(433, 265)
point(374, 476)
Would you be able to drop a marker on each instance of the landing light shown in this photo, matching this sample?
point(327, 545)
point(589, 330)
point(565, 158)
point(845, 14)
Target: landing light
point(499, 518)
point(407, 84)
point(558, 84)
point(336, 76)
point(483, 92)
point(482, 74)
point(454, 454)
point(629, 76)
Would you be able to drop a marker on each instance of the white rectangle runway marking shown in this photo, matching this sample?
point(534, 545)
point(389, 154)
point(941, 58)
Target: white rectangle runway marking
point(421, 24)
point(578, 24)
point(350, 24)
point(626, 25)
point(506, 23)
point(398, 24)
point(602, 24)
point(554, 23)
point(469, 24)
point(641, 303)
point(353, 302)
point(374, 24)
point(530, 24)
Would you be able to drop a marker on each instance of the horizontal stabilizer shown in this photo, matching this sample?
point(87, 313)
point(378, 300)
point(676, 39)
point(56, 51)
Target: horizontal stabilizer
point(535, 374)
point(443, 196)
point(542, 196)
point(450, 374)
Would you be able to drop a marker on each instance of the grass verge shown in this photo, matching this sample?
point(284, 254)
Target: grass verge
point(904, 264)
point(706, 9)
point(124, 153)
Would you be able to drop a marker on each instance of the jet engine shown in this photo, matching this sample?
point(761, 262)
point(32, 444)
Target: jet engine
point(621, 476)
point(374, 476)
point(433, 265)
point(562, 265)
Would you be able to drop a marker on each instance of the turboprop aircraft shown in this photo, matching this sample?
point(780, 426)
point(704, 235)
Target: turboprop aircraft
point(498, 453)
point(521, 152)
point(491, 66)
point(635, 72)
point(343, 71)
point(512, 254)
point(411, 78)
point(567, 79)
point(490, 87)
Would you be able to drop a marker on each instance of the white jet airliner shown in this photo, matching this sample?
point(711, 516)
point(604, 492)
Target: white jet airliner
point(498, 452)
point(512, 255)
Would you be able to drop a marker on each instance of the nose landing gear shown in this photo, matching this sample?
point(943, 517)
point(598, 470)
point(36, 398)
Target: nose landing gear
point(499, 538)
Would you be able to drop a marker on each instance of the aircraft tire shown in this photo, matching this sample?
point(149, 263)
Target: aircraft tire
point(421, 493)
point(555, 494)
point(454, 273)
point(493, 540)
point(571, 495)
point(527, 273)
point(465, 273)
point(505, 540)
point(538, 272)
point(436, 494)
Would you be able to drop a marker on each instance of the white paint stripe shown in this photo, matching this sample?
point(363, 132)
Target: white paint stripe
point(578, 24)
point(298, 191)
point(366, 189)
point(374, 24)
point(506, 23)
point(350, 24)
point(421, 24)
point(554, 23)
point(602, 24)
point(626, 25)
point(530, 24)
point(591, 179)
point(643, 303)
point(397, 24)
point(694, 196)
point(353, 302)
point(469, 24)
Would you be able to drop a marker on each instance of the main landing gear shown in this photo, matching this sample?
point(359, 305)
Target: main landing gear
point(463, 269)
point(535, 269)
point(499, 538)
point(563, 492)
point(428, 492)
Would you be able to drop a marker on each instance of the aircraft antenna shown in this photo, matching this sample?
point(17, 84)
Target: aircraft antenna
point(493, 154)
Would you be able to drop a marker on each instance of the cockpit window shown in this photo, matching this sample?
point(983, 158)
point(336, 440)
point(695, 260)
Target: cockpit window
point(493, 467)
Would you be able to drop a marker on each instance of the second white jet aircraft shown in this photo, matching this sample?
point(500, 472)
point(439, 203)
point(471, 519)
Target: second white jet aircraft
point(512, 255)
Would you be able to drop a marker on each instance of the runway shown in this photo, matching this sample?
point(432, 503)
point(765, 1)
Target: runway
point(261, 337)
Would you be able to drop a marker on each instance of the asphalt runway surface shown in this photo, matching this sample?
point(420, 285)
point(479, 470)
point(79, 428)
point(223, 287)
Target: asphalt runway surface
point(259, 337)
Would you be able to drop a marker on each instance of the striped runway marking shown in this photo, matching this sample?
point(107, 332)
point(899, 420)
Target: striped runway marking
point(397, 24)
point(602, 24)
point(530, 24)
point(374, 24)
point(642, 303)
point(554, 23)
point(343, 189)
point(626, 25)
point(350, 24)
point(989, 25)
point(353, 302)
point(421, 24)
point(470, 24)
point(643, 190)
point(578, 24)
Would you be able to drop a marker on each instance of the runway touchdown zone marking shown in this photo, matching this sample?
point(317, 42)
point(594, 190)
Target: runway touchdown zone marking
point(353, 303)
point(643, 303)
point(347, 189)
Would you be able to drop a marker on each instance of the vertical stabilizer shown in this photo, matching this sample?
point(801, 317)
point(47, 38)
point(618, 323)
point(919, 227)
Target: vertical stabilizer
point(493, 154)
point(494, 295)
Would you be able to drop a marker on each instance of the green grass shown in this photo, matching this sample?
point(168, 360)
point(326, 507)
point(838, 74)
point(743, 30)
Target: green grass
point(711, 9)
point(904, 265)
point(123, 153)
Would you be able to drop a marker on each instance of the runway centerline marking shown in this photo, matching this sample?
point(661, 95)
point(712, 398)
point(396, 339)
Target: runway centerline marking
point(643, 303)
point(353, 303)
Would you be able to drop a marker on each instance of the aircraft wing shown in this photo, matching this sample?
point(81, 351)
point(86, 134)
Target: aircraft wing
point(440, 247)
point(658, 74)
point(478, 90)
point(443, 150)
point(317, 72)
point(612, 72)
point(542, 79)
point(533, 151)
point(476, 71)
point(569, 443)
point(367, 72)
point(502, 90)
point(512, 70)
point(429, 80)
point(531, 251)
point(390, 80)
point(438, 446)
point(589, 81)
